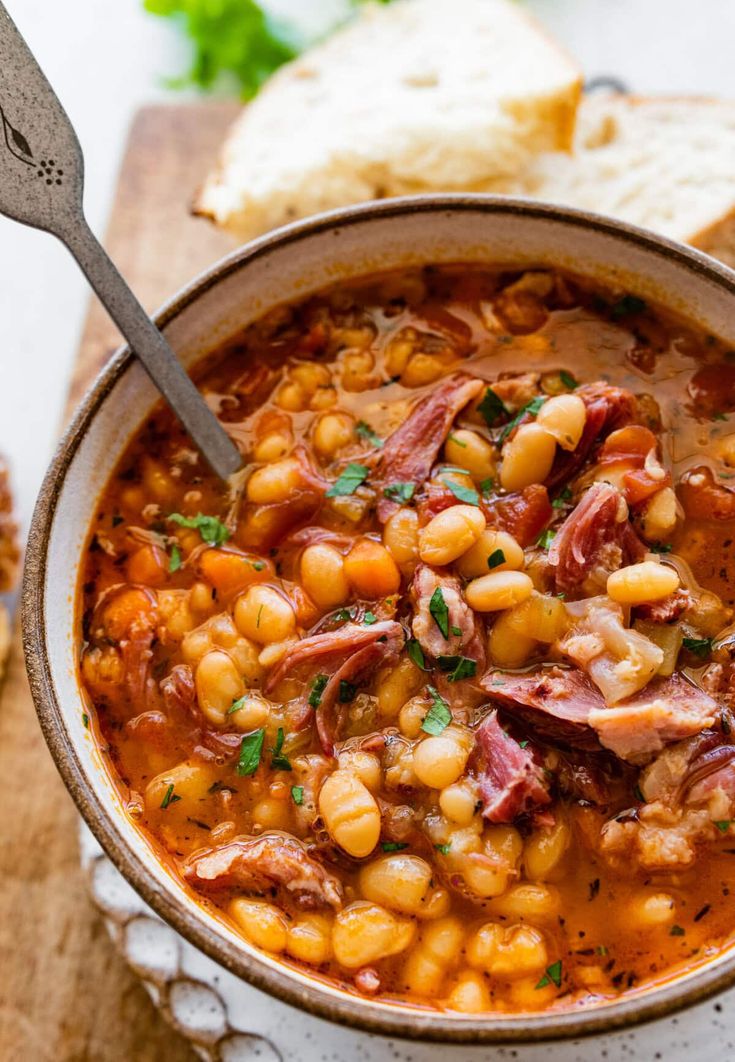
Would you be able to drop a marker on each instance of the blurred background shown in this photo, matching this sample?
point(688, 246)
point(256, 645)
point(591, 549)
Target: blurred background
point(107, 57)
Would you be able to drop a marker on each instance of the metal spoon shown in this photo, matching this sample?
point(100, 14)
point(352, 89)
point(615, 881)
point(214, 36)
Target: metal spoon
point(41, 184)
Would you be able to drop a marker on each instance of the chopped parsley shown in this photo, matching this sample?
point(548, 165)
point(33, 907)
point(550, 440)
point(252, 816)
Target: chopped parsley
point(416, 653)
point(174, 561)
point(443, 848)
point(701, 647)
point(344, 615)
point(393, 846)
point(346, 691)
point(568, 380)
point(250, 751)
point(676, 931)
point(279, 761)
point(237, 705)
point(460, 666)
point(369, 619)
point(462, 493)
point(546, 538)
point(531, 407)
point(257, 618)
point(457, 632)
point(627, 305)
point(523, 744)
point(487, 486)
point(258, 565)
point(661, 547)
point(169, 797)
point(401, 492)
point(601, 950)
point(315, 697)
point(297, 792)
point(211, 530)
point(349, 480)
point(366, 432)
point(496, 558)
point(552, 975)
point(561, 501)
point(491, 408)
point(456, 441)
point(85, 720)
point(439, 716)
point(723, 825)
point(439, 611)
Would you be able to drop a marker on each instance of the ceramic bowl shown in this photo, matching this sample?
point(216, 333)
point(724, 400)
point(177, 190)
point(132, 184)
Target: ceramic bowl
point(289, 264)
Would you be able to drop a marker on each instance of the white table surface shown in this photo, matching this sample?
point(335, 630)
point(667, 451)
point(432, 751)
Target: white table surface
point(106, 58)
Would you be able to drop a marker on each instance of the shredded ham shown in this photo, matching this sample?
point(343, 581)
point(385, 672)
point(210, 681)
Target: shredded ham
point(512, 781)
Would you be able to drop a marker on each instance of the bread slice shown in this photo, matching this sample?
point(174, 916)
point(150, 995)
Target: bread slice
point(418, 96)
point(667, 164)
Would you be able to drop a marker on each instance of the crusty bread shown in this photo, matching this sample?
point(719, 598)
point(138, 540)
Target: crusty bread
point(418, 96)
point(667, 164)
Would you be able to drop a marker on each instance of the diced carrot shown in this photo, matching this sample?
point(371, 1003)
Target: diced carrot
point(370, 570)
point(148, 566)
point(230, 570)
point(124, 608)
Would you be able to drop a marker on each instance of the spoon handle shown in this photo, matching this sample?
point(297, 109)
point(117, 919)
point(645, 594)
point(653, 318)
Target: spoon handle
point(41, 184)
point(152, 350)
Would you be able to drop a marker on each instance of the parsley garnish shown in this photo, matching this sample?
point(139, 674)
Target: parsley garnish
point(369, 619)
point(169, 797)
point(553, 974)
point(315, 697)
point(496, 558)
point(416, 653)
point(487, 486)
point(723, 825)
point(346, 691)
point(278, 761)
point(85, 720)
point(258, 565)
point(457, 632)
point(491, 407)
point(531, 407)
point(719, 416)
point(523, 744)
point(601, 950)
point(439, 611)
point(250, 750)
point(701, 647)
point(546, 538)
point(237, 705)
point(568, 380)
point(211, 530)
point(676, 931)
point(439, 716)
point(366, 432)
point(344, 615)
point(463, 494)
point(174, 562)
point(661, 547)
point(297, 792)
point(627, 305)
point(349, 480)
point(456, 441)
point(393, 846)
point(460, 666)
point(402, 492)
point(443, 848)
point(561, 501)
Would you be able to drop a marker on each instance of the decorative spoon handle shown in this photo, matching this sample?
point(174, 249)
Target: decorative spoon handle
point(41, 184)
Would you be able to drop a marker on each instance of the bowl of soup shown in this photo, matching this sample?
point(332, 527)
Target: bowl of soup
point(424, 721)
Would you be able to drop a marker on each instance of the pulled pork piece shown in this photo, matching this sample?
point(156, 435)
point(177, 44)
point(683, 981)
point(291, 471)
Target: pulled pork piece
point(179, 691)
point(620, 661)
point(409, 452)
point(589, 544)
point(667, 710)
point(688, 789)
point(704, 498)
point(463, 634)
point(564, 705)
point(511, 780)
point(667, 609)
point(344, 655)
point(260, 864)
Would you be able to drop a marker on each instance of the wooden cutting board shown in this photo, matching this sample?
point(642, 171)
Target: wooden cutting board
point(65, 993)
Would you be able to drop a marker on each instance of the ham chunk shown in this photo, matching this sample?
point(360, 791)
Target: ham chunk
point(555, 701)
point(511, 780)
point(463, 631)
point(589, 544)
point(260, 864)
point(409, 452)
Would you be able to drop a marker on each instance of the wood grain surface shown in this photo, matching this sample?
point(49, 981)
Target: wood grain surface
point(65, 993)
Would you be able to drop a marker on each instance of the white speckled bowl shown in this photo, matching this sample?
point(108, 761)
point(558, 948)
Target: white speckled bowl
point(285, 265)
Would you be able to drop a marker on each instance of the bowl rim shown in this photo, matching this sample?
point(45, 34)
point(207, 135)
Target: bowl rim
point(315, 997)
